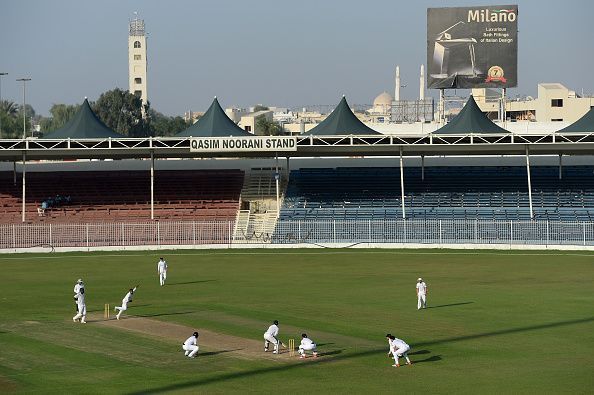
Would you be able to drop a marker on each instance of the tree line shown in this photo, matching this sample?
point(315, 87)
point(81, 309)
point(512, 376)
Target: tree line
point(118, 109)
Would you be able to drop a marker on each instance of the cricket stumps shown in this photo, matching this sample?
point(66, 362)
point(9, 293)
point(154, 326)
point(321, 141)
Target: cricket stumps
point(106, 311)
point(291, 347)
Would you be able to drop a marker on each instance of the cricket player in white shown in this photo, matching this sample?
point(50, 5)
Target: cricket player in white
point(81, 306)
point(127, 299)
point(162, 270)
point(79, 284)
point(271, 337)
point(307, 345)
point(190, 346)
point(398, 348)
point(421, 294)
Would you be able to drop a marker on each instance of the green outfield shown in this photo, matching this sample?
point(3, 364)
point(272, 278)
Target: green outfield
point(497, 322)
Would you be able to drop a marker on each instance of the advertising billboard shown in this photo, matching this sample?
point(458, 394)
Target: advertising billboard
point(472, 47)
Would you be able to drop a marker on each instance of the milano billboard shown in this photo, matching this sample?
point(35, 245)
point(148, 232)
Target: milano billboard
point(472, 47)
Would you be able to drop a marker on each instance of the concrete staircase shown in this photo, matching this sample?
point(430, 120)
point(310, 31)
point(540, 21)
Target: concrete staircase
point(256, 224)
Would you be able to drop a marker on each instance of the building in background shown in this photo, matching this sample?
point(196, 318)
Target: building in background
point(554, 103)
point(137, 59)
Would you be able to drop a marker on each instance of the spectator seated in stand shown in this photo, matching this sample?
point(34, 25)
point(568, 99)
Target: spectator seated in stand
point(53, 202)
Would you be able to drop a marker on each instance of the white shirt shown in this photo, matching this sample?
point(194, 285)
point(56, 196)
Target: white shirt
point(80, 296)
point(422, 288)
point(192, 341)
point(396, 344)
point(162, 266)
point(78, 286)
point(306, 341)
point(128, 297)
point(272, 330)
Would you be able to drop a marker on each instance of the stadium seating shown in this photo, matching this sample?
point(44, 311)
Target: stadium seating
point(123, 196)
point(499, 193)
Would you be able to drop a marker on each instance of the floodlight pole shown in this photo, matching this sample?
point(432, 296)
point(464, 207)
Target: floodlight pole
point(529, 181)
point(24, 171)
point(1, 74)
point(276, 179)
point(152, 184)
point(24, 80)
point(402, 184)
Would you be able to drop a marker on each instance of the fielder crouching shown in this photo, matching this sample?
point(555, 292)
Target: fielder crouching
point(190, 346)
point(398, 349)
point(270, 336)
point(307, 345)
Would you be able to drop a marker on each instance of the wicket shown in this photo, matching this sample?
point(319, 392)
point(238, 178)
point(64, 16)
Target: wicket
point(291, 347)
point(106, 311)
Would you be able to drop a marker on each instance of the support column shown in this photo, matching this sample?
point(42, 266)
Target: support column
point(441, 107)
point(402, 184)
point(422, 167)
point(14, 173)
point(152, 185)
point(24, 177)
point(529, 182)
point(288, 168)
point(560, 166)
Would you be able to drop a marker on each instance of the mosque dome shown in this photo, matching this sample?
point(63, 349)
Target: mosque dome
point(384, 99)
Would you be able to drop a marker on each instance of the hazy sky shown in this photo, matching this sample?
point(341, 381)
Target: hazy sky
point(272, 52)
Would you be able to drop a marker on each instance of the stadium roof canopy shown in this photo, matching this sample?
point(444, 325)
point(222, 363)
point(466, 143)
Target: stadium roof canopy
point(341, 122)
point(84, 125)
point(584, 124)
point(470, 120)
point(214, 123)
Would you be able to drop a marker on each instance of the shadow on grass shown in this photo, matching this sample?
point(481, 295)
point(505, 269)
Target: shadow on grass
point(419, 352)
point(528, 328)
point(190, 282)
point(161, 314)
point(329, 353)
point(433, 358)
point(208, 353)
point(256, 372)
point(448, 305)
point(323, 344)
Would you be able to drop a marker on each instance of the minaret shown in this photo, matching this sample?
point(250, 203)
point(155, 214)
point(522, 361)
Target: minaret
point(397, 90)
point(422, 84)
point(137, 61)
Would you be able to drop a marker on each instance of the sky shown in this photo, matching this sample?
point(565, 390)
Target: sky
point(279, 53)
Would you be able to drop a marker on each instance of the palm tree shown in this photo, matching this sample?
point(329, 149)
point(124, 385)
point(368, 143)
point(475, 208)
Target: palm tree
point(9, 108)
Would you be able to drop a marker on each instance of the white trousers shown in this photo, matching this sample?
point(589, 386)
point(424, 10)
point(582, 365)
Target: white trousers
point(162, 278)
point(121, 308)
point(270, 339)
point(401, 352)
point(82, 312)
point(190, 350)
point(422, 301)
point(308, 347)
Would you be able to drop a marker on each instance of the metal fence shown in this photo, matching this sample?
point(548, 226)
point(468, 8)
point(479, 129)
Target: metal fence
point(395, 232)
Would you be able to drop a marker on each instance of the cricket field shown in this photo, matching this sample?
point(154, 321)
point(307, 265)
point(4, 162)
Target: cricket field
point(496, 322)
